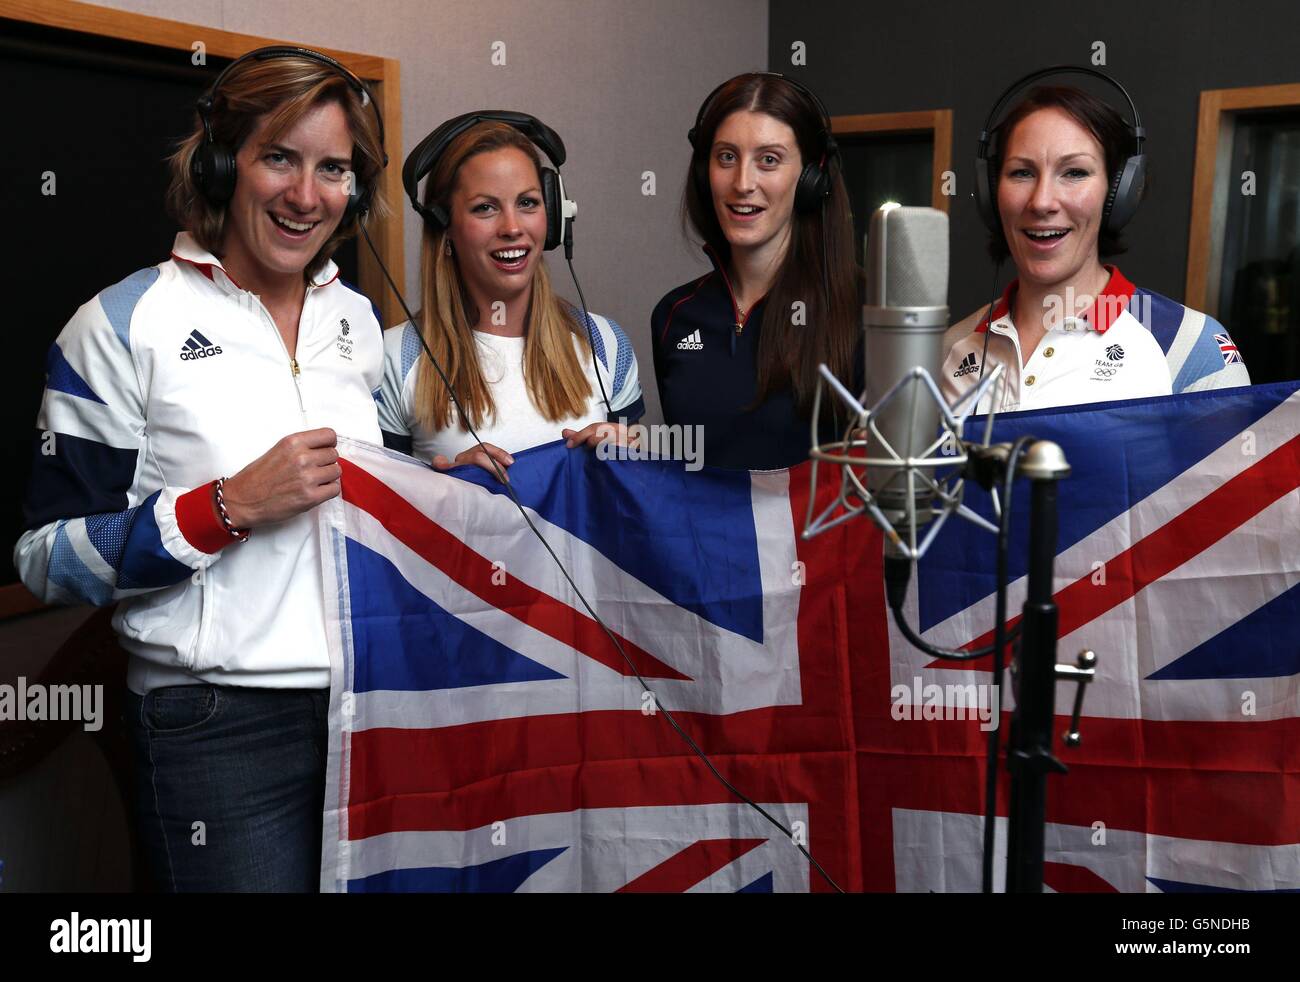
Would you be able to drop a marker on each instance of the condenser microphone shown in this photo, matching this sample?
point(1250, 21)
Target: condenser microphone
point(905, 317)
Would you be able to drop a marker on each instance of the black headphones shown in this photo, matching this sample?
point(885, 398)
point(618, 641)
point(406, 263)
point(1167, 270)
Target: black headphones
point(560, 210)
point(213, 164)
point(1125, 189)
point(815, 178)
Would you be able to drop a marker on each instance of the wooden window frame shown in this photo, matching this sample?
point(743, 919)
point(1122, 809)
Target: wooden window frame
point(937, 122)
point(1215, 130)
point(382, 75)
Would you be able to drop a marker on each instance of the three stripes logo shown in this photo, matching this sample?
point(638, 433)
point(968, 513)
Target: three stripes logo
point(197, 346)
point(691, 342)
point(967, 366)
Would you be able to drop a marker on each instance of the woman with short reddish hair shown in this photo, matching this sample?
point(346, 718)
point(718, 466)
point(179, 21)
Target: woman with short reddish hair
point(1069, 329)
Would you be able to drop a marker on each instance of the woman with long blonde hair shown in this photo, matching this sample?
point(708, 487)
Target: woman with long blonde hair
point(525, 368)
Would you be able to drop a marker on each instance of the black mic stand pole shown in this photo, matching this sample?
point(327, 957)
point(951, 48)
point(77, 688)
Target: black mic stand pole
point(1029, 753)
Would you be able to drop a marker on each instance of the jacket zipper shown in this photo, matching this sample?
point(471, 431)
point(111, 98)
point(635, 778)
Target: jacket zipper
point(294, 369)
point(741, 322)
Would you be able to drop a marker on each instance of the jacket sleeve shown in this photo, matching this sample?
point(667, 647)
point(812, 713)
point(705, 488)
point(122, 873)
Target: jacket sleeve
point(401, 352)
point(93, 535)
point(625, 397)
point(1213, 361)
point(658, 319)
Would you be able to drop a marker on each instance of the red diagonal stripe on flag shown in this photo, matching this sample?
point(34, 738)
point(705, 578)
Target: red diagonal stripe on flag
point(696, 862)
point(1064, 878)
point(473, 571)
point(1182, 538)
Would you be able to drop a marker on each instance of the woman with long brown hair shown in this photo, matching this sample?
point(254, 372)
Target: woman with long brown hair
point(526, 370)
point(737, 350)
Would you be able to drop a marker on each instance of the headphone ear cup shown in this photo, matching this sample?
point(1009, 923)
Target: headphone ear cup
point(986, 196)
point(1125, 193)
point(551, 202)
point(813, 185)
point(213, 170)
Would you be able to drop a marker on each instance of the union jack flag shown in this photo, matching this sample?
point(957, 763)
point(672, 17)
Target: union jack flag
point(1227, 348)
point(485, 735)
point(1179, 565)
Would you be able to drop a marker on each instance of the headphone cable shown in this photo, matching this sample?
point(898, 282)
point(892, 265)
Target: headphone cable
point(586, 317)
point(988, 319)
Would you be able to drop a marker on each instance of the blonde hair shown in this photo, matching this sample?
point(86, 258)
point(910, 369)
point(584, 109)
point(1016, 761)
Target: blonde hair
point(555, 378)
point(287, 88)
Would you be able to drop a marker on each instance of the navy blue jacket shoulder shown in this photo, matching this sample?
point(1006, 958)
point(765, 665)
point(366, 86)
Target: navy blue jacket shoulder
point(706, 370)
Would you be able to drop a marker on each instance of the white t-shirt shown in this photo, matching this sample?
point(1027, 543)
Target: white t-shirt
point(517, 425)
point(1131, 344)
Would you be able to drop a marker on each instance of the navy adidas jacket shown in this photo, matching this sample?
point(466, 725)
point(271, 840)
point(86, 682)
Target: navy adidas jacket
point(707, 375)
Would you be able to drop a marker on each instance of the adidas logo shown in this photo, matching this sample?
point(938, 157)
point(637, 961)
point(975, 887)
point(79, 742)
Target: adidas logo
point(197, 346)
point(691, 342)
point(967, 366)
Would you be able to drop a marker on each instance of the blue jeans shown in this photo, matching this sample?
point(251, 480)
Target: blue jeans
point(230, 786)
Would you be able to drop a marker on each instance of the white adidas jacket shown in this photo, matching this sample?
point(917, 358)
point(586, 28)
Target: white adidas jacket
point(156, 387)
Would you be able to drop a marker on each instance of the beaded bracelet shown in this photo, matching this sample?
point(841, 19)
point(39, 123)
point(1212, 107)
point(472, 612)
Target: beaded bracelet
point(240, 534)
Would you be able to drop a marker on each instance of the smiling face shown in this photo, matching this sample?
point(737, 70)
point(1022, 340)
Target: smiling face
point(754, 167)
point(289, 198)
point(498, 225)
point(1051, 192)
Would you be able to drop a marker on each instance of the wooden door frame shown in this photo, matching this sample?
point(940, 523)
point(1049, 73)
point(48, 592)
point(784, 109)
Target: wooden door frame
point(937, 122)
point(1215, 129)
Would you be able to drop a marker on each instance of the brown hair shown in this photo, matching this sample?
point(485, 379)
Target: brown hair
point(287, 88)
point(1107, 127)
point(557, 382)
point(788, 354)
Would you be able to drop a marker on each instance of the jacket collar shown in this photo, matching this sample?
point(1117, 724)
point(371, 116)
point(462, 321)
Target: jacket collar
point(186, 250)
point(721, 269)
point(1105, 310)
point(714, 258)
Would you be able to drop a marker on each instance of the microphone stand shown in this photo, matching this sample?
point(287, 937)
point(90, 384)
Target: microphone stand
point(1035, 671)
point(1029, 751)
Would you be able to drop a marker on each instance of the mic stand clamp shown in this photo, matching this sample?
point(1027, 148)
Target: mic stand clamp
point(1083, 671)
point(986, 464)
